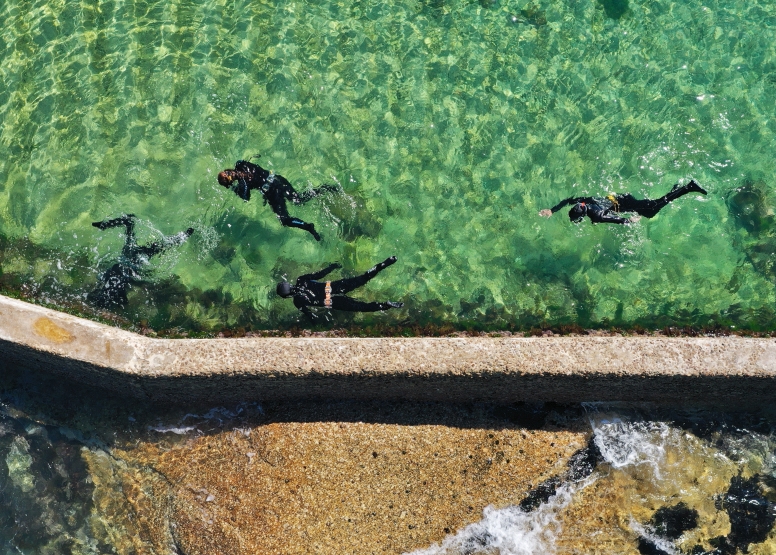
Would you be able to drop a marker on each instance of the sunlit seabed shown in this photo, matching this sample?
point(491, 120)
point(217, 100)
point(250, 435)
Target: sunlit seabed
point(448, 126)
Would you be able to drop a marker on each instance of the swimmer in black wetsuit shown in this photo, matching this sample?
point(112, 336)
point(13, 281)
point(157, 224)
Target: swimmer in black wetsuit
point(115, 282)
point(274, 188)
point(607, 210)
point(309, 292)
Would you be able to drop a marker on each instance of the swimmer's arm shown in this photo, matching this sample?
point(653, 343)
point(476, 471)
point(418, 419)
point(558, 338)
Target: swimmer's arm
point(318, 275)
point(243, 190)
point(244, 166)
point(151, 249)
point(547, 212)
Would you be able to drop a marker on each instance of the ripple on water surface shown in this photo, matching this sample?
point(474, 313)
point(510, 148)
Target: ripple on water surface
point(448, 125)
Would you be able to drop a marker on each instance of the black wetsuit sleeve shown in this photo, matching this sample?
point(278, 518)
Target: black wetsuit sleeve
point(307, 312)
point(318, 275)
point(570, 200)
point(299, 303)
point(243, 190)
point(606, 218)
point(244, 166)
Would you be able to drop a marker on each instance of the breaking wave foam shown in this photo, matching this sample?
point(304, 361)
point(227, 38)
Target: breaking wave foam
point(511, 531)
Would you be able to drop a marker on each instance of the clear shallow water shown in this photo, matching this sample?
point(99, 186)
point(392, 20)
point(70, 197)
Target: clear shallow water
point(447, 124)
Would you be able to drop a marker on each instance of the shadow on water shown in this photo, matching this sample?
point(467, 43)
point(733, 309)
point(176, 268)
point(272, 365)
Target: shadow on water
point(166, 306)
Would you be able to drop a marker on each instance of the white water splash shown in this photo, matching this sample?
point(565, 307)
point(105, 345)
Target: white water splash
point(179, 430)
point(633, 443)
point(661, 543)
point(511, 531)
point(217, 417)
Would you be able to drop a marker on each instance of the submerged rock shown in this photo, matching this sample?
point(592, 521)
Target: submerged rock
point(614, 9)
point(19, 461)
point(669, 523)
point(672, 522)
point(540, 495)
point(748, 207)
point(751, 514)
point(583, 462)
point(580, 466)
point(648, 547)
point(530, 15)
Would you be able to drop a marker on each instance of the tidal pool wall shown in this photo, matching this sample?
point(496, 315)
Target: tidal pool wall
point(717, 370)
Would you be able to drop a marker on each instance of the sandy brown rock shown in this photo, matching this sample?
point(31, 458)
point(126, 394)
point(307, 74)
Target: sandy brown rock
point(327, 487)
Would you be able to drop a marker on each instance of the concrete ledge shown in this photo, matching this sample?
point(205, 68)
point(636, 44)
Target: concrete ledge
point(565, 369)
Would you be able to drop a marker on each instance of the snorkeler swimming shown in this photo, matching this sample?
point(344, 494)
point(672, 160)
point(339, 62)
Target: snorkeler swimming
point(331, 294)
point(607, 210)
point(115, 282)
point(274, 188)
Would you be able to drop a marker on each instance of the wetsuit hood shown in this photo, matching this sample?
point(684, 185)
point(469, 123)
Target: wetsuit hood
point(284, 289)
point(577, 212)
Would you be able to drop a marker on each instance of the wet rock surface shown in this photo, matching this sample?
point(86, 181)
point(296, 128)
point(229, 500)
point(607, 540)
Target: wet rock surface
point(90, 473)
point(45, 493)
point(668, 523)
point(672, 522)
point(328, 487)
point(751, 514)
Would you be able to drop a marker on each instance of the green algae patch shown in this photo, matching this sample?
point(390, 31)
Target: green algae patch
point(18, 461)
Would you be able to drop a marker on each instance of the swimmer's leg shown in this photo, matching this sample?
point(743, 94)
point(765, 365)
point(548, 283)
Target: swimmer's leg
point(127, 220)
point(649, 208)
point(691, 187)
point(644, 207)
point(157, 247)
point(353, 305)
point(289, 221)
point(310, 194)
point(342, 286)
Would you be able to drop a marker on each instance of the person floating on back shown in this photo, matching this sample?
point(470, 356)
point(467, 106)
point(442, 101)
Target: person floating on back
point(308, 291)
point(607, 210)
point(275, 189)
point(114, 283)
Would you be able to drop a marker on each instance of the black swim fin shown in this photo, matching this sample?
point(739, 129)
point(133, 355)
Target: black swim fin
point(126, 219)
point(693, 186)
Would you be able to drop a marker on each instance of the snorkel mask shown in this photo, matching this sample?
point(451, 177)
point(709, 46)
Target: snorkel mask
point(284, 289)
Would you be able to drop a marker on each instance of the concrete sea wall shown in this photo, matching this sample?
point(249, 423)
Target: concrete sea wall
point(566, 369)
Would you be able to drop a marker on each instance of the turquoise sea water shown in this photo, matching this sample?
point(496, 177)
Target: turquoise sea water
point(448, 125)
